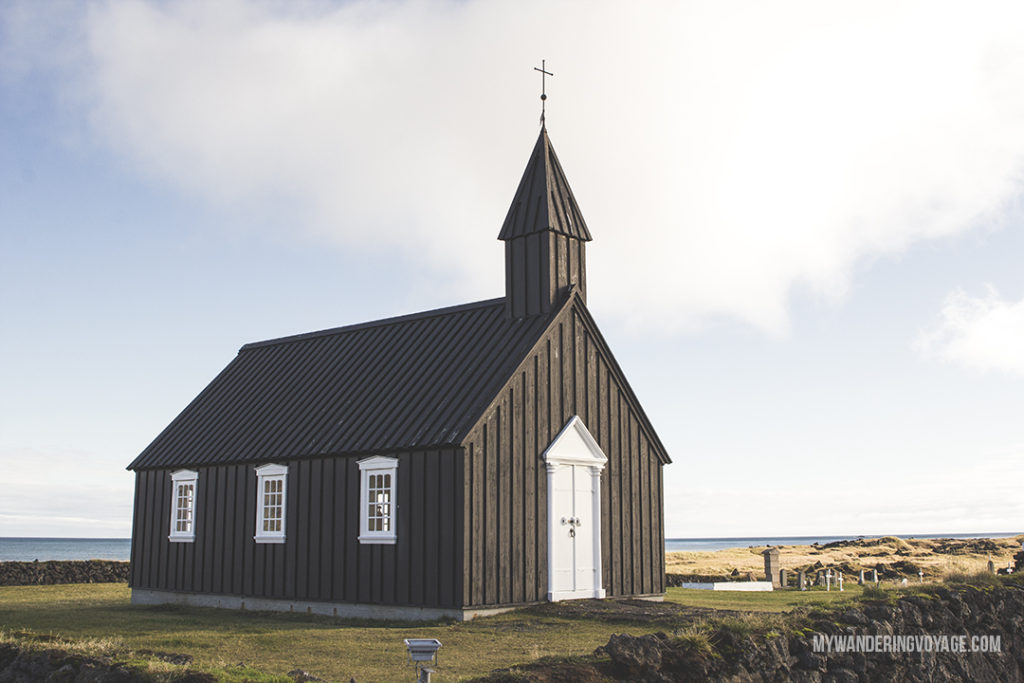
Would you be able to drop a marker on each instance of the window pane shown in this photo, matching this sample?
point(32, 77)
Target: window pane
point(183, 497)
point(271, 508)
point(379, 496)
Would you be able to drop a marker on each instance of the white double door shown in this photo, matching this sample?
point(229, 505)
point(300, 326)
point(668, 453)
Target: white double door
point(577, 545)
point(574, 463)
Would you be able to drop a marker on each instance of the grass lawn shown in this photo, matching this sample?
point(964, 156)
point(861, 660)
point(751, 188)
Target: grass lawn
point(342, 649)
point(774, 601)
point(277, 643)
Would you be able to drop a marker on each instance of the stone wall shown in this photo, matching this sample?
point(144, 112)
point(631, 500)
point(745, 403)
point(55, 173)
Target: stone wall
point(62, 571)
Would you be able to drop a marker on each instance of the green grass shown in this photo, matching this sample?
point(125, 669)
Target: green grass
point(774, 601)
point(235, 644)
point(277, 643)
point(974, 579)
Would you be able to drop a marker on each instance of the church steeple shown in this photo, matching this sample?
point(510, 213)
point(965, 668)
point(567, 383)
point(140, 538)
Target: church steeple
point(545, 237)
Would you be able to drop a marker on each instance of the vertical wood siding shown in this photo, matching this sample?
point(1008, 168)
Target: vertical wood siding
point(505, 525)
point(321, 558)
point(539, 267)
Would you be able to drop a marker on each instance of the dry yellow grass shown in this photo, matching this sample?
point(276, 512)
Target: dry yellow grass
point(936, 557)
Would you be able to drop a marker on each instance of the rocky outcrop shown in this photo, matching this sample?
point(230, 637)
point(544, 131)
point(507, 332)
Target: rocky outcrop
point(62, 571)
point(729, 653)
point(978, 546)
point(33, 661)
point(19, 664)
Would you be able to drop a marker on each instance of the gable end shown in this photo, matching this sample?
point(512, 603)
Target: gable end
point(588, 379)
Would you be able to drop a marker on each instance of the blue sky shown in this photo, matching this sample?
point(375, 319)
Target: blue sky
point(807, 230)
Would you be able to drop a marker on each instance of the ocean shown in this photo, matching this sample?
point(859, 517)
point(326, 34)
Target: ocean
point(28, 549)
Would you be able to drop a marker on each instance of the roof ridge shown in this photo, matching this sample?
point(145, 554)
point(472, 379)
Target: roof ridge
point(374, 323)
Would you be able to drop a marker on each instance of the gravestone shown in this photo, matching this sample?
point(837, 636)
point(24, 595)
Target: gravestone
point(802, 580)
point(783, 579)
point(771, 566)
point(860, 578)
point(874, 576)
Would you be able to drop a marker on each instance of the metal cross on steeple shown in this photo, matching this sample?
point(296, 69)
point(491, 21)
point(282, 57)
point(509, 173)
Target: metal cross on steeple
point(543, 87)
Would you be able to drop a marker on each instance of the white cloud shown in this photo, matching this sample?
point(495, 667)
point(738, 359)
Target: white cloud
point(724, 154)
point(978, 494)
point(77, 494)
point(981, 333)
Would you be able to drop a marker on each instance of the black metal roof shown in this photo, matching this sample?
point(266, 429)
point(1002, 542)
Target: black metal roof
point(415, 381)
point(544, 200)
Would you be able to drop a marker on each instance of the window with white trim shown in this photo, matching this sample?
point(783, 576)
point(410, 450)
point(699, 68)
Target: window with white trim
point(377, 499)
point(271, 491)
point(183, 506)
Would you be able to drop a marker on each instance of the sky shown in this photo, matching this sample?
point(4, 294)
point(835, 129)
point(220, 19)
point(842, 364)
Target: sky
point(807, 223)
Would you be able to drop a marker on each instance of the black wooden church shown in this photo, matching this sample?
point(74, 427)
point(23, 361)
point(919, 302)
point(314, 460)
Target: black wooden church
point(451, 462)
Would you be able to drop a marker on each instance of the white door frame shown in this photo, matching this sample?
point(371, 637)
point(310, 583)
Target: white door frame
point(565, 451)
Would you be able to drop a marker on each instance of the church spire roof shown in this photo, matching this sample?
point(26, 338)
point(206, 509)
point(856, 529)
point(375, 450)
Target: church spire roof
point(544, 200)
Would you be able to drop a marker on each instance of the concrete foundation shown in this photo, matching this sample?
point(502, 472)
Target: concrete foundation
point(346, 610)
point(731, 586)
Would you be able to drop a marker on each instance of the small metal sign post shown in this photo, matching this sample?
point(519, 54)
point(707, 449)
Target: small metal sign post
point(423, 651)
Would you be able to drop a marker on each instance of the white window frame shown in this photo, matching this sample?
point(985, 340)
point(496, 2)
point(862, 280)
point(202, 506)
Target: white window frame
point(264, 474)
point(378, 465)
point(180, 479)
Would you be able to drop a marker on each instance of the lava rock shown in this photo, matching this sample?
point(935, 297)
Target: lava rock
point(62, 571)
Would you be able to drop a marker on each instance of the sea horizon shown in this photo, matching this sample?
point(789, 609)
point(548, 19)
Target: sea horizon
point(46, 548)
point(725, 542)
